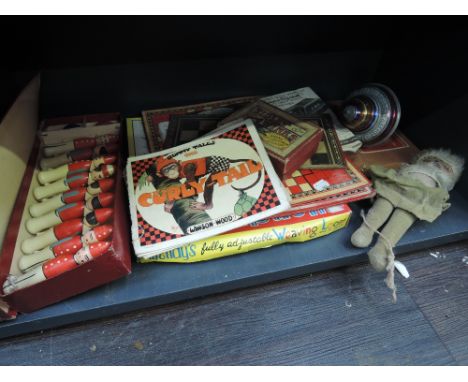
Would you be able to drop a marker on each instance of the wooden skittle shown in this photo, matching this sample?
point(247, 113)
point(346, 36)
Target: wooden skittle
point(66, 170)
point(67, 246)
point(68, 228)
point(61, 214)
point(80, 143)
point(71, 196)
point(72, 156)
point(57, 201)
point(96, 217)
point(78, 155)
point(60, 231)
point(54, 267)
point(68, 212)
point(102, 172)
point(99, 186)
point(76, 180)
point(104, 199)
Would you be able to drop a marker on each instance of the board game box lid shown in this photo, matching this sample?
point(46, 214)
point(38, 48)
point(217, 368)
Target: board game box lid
point(201, 189)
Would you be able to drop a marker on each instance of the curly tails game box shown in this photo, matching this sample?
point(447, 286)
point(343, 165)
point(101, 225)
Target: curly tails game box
point(201, 189)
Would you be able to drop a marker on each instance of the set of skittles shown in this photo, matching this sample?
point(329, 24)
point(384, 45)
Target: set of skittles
point(71, 218)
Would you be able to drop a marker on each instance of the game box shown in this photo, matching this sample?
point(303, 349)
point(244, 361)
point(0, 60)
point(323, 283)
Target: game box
point(113, 264)
point(201, 189)
point(156, 121)
point(292, 226)
point(288, 141)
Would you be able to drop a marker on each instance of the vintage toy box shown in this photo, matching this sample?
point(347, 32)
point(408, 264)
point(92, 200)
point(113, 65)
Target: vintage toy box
point(22, 154)
point(293, 226)
point(289, 141)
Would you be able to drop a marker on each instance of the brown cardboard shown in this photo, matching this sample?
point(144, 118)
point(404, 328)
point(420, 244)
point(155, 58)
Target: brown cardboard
point(17, 135)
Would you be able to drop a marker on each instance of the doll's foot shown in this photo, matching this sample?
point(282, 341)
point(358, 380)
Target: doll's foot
point(378, 257)
point(362, 237)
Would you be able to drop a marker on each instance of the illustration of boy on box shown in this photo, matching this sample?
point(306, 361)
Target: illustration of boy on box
point(200, 174)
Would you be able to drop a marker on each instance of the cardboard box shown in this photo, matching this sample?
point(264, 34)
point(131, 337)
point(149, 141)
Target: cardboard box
point(292, 226)
point(22, 121)
point(288, 141)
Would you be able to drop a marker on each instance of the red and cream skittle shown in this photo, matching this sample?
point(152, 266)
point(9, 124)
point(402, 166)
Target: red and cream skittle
point(76, 180)
point(80, 143)
point(65, 229)
point(66, 170)
point(67, 246)
point(68, 212)
point(55, 267)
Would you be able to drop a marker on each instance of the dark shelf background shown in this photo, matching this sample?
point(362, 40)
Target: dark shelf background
point(422, 58)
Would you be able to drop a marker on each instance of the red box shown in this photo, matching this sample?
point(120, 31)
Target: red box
point(288, 141)
point(110, 266)
point(285, 166)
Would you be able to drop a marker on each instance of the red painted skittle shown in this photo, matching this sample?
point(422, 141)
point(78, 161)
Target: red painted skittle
point(77, 155)
point(68, 212)
point(76, 180)
point(71, 196)
point(60, 231)
point(96, 217)
point(67, 170)
point(67, 246)
point(54, 267)
point(99, 186)
point(60, 215)
point(80, 143)
point(65, 229)
point(104, 199)
point(102, 172)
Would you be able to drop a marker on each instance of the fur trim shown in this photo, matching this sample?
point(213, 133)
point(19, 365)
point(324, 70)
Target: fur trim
point(445, 166)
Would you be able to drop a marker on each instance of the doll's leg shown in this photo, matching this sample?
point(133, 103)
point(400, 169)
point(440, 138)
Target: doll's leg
point(376, 216)
point(393, 231)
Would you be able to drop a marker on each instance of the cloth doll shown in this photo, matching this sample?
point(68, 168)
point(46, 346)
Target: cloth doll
point(419, 190)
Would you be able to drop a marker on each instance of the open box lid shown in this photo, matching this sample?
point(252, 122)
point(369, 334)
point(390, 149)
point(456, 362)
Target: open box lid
point(17, 136)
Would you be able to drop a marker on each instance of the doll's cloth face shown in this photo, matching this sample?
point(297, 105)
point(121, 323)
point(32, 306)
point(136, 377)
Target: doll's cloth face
point(420, 172)
point(425, 179)
point(444, 167)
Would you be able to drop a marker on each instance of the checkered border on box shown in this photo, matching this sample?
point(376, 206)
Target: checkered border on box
point(139, 167)
point(267, 199)
point(150, 235)
point(240, 134)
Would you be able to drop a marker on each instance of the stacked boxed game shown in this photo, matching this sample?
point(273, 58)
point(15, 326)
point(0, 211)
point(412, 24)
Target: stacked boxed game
point(327, 178)
point(201, 189)
point(68, 229)
point(303, 137)
point(289, 141)
point(170, 127)
point(304, 104)
point(287, 227)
